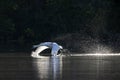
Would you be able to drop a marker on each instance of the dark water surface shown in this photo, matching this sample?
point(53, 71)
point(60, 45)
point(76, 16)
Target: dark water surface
point(23, 67)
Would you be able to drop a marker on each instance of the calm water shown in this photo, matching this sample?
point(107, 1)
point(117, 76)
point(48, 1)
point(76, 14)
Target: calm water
point(23, 67)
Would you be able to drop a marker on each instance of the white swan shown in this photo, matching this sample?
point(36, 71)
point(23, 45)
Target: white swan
point(42, 46)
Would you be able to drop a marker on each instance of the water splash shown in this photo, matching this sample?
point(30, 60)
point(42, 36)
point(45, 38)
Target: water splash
point(102, 49)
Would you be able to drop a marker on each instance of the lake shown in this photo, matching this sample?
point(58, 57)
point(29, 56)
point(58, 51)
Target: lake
point(20, 66)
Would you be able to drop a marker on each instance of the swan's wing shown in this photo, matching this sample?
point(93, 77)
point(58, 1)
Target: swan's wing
point(39, 50)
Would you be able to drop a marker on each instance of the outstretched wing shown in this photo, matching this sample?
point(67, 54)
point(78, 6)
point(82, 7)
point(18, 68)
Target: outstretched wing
point(39, 50)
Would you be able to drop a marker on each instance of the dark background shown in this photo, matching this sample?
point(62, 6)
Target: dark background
point(78, 25)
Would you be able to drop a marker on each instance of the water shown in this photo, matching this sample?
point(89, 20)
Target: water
point(23, 67)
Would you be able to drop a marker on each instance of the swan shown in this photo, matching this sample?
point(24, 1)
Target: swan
point(45, 45)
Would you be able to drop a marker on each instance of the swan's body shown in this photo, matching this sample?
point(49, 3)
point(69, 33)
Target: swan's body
point(42, 46)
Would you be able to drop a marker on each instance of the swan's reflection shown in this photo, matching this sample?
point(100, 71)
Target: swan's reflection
point(49, 68)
